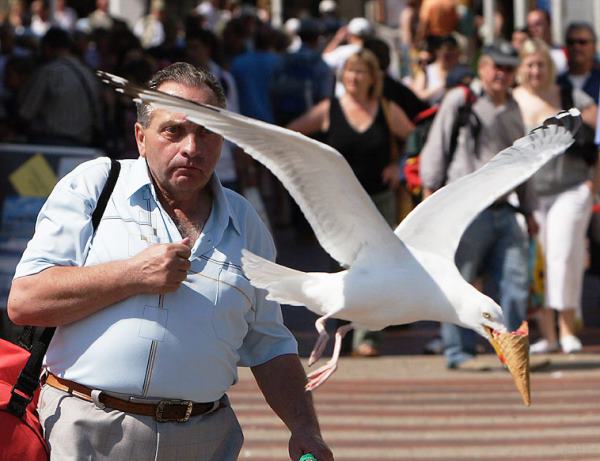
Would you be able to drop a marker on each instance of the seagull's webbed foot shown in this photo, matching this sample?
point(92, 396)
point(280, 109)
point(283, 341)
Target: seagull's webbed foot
point(319, 376)
point(322, 340)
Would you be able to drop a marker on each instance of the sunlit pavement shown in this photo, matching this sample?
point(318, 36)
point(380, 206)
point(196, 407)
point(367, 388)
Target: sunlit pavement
point(406, 406)
point(412, 408)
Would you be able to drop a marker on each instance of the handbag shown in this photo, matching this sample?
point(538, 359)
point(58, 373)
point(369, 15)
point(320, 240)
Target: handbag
point(21, 437)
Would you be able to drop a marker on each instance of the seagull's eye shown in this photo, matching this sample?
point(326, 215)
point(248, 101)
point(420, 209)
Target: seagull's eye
point(487, 316)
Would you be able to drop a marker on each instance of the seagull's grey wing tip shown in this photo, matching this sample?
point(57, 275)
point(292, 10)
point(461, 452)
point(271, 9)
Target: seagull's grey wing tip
point(569, 119)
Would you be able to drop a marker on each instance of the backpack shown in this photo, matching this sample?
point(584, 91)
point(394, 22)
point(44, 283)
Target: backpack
point(21, 437)
point(584, 146)
point(417, 139)
point(293, 86)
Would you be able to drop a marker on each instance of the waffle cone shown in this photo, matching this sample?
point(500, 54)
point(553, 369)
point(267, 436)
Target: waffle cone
point(514, 347)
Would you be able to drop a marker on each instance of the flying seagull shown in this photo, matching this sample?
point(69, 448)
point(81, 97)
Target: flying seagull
point(392, 276)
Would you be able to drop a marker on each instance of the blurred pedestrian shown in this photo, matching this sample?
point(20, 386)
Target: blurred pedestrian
point(494, 243)
point(583, 72)
point(538, 25)
point(564, 186)
point(64, 16)
point(430, 85)
point(437, 19)
point(518, 37)
point(61, 102)
point(261, 61)
point(149, 29)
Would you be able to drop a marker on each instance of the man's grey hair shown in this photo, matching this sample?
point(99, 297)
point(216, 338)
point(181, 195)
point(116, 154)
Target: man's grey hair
point(185, 74)
point(579, 25)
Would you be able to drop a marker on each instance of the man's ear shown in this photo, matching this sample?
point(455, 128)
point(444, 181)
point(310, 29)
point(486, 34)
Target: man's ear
point(140, 139)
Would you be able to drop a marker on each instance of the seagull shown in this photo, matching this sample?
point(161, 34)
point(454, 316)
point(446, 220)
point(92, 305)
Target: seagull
point(391, 277)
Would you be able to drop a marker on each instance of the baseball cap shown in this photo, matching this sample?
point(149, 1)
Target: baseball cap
point(327, 6)
point(502, 53)
point(360, 26)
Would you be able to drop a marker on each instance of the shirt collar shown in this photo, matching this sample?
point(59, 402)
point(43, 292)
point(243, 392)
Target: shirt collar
point(222, 207)
point(140, 177)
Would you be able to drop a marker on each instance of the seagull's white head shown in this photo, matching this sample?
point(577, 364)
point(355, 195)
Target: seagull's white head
point(482, 314)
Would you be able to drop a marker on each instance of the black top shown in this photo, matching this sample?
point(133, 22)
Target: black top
point(367, 152)
point(403, 96)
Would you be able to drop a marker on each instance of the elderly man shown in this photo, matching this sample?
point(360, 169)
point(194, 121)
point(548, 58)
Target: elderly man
point(154, 313)
point(582, 72)
point(494, 242)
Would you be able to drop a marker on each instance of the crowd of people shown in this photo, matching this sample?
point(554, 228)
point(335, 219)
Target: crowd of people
point(332, 80)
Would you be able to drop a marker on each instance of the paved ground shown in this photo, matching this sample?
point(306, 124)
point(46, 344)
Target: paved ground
point(406, 406)
point(410, 408)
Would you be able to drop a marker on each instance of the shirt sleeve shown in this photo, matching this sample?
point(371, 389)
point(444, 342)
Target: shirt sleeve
point(434, 156)
point(581, 99)
point(267, 335)
point(63, 229)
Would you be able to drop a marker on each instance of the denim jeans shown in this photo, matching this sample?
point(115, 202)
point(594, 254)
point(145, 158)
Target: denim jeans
point(496, 246)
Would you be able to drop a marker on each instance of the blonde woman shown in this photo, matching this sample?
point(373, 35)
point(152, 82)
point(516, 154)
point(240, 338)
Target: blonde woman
point(565, 188)
point(355, 124)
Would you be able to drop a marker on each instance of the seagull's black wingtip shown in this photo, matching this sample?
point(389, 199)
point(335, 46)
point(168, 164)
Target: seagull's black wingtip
point(570, 119)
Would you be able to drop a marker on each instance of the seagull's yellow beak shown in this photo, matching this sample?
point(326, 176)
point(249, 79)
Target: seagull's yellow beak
point(513, 351)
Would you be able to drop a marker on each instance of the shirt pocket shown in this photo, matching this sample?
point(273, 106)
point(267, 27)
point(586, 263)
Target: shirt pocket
point(234, 308)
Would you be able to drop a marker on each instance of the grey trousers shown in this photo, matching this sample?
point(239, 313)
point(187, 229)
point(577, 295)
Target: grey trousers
point(76, 429)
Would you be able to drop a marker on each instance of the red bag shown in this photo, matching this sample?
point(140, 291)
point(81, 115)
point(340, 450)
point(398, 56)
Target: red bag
point(21, 438)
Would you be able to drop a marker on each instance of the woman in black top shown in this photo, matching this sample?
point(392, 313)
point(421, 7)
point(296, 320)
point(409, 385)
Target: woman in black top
point(355, 124)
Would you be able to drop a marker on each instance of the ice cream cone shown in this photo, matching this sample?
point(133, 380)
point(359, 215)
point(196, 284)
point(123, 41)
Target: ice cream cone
point(513, 350)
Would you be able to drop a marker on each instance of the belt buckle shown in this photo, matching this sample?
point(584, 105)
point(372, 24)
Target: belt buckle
point(163, 404)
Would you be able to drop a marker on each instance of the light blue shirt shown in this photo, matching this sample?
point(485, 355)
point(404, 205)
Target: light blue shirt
point(182, 345)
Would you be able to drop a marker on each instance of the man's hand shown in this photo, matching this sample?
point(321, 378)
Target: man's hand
point(391, 175)
point(532, 225)
point(162, 267)
point(302, 443)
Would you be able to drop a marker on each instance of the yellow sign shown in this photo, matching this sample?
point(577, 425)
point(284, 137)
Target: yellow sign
point(34, 178)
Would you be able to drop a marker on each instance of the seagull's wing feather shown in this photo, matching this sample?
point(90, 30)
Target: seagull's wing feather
point(438, 223)
point(339, 210)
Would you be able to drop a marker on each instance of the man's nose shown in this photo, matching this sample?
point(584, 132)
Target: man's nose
point(192, 143)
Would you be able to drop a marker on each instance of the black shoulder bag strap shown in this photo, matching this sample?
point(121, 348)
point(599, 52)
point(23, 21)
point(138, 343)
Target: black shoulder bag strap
point(29, 379)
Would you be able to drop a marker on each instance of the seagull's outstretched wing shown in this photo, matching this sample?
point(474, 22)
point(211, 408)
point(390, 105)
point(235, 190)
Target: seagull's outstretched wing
point(438, 223)
point(317, 176)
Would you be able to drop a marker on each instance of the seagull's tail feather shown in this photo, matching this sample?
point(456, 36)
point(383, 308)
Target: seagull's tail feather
point(283, 284)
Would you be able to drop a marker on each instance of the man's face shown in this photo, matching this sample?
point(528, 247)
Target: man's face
point(537, 24)
point(181, 155)
point(495, 77)
point(581, 47)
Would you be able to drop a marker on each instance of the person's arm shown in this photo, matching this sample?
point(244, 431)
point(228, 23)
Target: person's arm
point(282, 380)
point(313, 121)
point(401, 125)
point(433, 163)
point(61, 295)
point(340, 37)
point(423, 25)
point(589, 115)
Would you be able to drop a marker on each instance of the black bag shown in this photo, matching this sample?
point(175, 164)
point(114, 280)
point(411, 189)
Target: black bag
point(584, 145)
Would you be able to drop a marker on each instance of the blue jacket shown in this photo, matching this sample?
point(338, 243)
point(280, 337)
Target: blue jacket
point(591, 86)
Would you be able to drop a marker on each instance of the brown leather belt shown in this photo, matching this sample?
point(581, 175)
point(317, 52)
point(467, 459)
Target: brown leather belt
point(165, 410)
